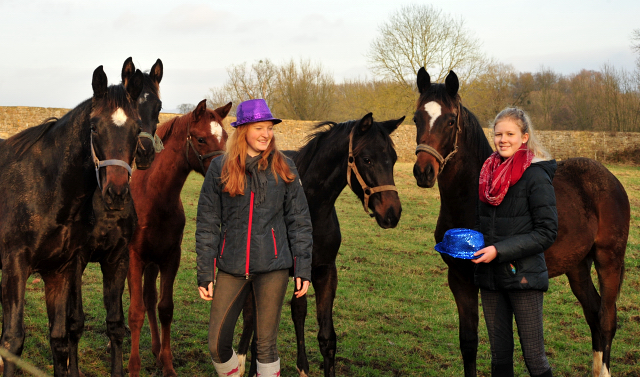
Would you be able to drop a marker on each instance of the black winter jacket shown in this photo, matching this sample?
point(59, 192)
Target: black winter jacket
point(521, 228)
point(280, 228)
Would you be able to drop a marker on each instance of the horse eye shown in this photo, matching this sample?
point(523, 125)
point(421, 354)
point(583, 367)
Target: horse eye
point(414, 119)
point(94, 128)
point(201, 140)
point(451, 122)
point(367, 161)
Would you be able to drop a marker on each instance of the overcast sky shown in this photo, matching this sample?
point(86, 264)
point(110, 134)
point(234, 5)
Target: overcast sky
point(49, 49)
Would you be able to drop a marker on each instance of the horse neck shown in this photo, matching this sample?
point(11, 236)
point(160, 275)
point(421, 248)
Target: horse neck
point(458, 186)
point(323, 185)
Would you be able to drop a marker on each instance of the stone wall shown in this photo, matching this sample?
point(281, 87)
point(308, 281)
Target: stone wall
point(291, 133)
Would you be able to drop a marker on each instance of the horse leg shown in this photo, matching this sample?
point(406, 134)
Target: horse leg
point(466, 296)
point(57, 296)
point(610, 268)
point(14, 282)
point(76, 316)
point(582, 287)
point(247, 333)
point(136, 310)
point(114, 275)
point(150, 297)
point(325, 284)
point(168, 273)
point(299, 315)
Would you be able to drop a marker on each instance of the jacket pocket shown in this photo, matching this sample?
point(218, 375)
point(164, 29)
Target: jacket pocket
point(275, 247)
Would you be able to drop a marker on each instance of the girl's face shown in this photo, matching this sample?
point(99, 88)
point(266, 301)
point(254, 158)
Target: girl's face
point(258, 137)
point(508, 137)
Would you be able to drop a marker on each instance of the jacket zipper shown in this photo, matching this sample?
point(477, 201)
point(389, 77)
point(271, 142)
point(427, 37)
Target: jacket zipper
point(246, 271)
point(275, 249)
point(224, 239)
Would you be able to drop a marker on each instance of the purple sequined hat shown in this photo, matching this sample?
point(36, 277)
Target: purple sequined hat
point(253, 110)
point(461, 243)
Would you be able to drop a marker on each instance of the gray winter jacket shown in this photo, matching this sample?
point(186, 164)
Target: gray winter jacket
point(521, 228)
point(242, 239)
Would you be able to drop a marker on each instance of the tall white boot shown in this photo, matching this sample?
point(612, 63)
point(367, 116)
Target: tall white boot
point(229, 368)
point(268, 370)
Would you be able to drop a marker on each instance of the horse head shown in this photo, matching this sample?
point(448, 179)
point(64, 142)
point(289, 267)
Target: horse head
point(115, 125)
point(437, 120)
point(206, 138)
point(370, 174)
point(149, 106)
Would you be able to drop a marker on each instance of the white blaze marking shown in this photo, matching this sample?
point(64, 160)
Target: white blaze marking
point(216, 130)
point(119, 117)
point(434, 110)
point(143, 98)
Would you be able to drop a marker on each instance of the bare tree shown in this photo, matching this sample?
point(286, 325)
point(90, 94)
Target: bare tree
point(304, 91)
point(185, 108)
point(246, 83)
point(423, 36)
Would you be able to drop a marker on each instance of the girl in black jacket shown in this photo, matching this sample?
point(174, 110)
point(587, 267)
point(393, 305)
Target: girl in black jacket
point(518, 218)
point(253, 225)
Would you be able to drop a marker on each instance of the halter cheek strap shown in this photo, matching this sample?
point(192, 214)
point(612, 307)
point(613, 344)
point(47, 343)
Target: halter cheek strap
point(99, 164)
point(442, 161)
point(200, 157)
point(368, 191)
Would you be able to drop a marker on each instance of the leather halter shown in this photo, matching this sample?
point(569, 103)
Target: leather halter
point(200, 157)
point(432, 151)
point(368, 191)
point(99, 164)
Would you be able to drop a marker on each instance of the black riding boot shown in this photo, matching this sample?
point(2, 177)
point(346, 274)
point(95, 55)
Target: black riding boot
point(502, 370)
point(545, 374)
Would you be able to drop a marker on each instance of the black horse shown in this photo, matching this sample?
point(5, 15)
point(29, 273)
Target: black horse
point(49, 175)
point(112, 231)
point(593, 217)
point(359, 153)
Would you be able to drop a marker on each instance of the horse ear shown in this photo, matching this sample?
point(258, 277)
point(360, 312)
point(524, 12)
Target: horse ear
point(392, 125)
point(128, 69)
point(200, 110)
point(423, 81)
point(156, 72)
point(452, 84)
point(134, 85)
point(223, 111)
point(365, 123)
point(99, 83)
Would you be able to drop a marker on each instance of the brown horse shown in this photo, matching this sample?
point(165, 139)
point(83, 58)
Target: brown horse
point(593, 215)
point(190, 142)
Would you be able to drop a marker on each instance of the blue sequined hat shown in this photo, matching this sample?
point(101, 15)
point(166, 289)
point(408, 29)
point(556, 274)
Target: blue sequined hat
point(461, 243)
point(253, 110)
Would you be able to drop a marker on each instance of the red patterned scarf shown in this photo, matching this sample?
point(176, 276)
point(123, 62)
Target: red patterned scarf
point(497, 176)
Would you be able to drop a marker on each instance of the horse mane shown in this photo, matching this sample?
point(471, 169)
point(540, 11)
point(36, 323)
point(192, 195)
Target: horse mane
point(25, 139)
point(330, 140)
point(474, 136)
point(165, 130)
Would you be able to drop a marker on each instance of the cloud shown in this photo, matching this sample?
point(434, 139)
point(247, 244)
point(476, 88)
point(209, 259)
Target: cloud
point(194, 18)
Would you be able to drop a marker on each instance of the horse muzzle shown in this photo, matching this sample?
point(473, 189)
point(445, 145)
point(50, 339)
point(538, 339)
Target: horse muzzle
point(387, 209)
point(424, 174)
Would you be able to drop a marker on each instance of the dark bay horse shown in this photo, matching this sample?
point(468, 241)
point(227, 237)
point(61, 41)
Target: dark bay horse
point(113, 230)
point(191, 141)
point(326, 165)
point(593, 215)
point(49, 175)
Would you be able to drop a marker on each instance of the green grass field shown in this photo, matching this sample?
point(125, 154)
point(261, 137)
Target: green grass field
point(394, 313)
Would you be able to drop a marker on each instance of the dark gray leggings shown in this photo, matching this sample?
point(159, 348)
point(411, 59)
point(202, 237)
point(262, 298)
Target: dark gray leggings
point(499, 309)
point(229, 295)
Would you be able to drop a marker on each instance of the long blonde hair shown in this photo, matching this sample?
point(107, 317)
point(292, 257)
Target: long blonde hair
point(522, 120)
point(233, 170)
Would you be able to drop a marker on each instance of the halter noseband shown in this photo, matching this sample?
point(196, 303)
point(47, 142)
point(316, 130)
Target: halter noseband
point(99, 164)
point(368, 191)
point(200, 157)
point(432, 151)
point(155, 139)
